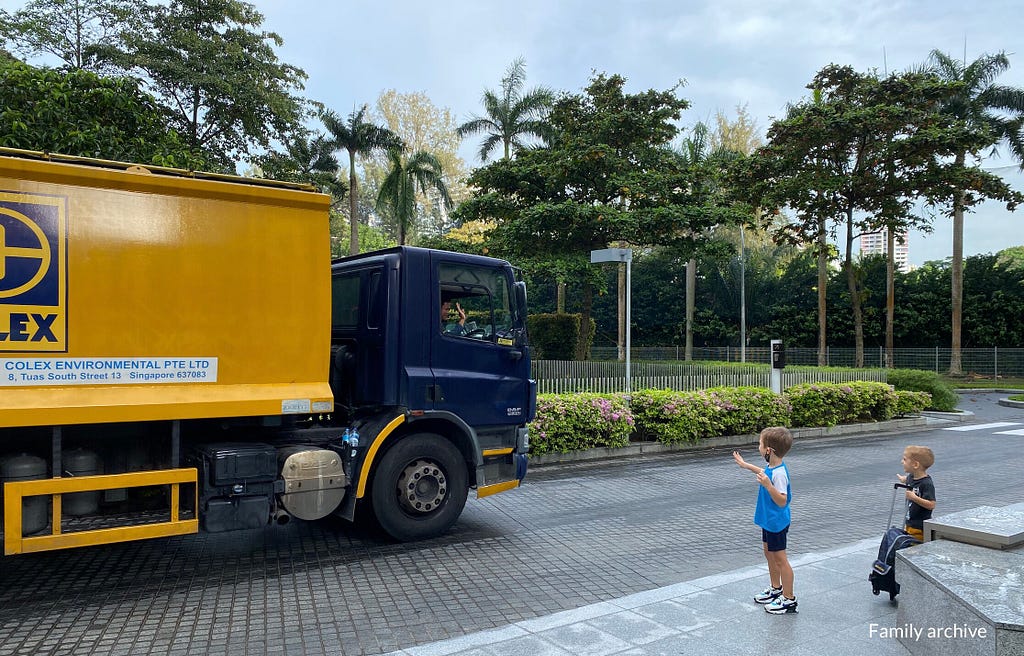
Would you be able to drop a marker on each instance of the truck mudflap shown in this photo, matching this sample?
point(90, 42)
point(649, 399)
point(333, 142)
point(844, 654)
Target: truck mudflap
point(177, 521)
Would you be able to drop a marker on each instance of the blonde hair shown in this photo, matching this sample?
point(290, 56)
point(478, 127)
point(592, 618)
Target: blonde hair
point(922, 454)
point(778, 439)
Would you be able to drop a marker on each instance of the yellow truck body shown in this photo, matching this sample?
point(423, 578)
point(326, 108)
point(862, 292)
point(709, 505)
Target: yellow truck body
point(178, 352)
point(128, 294)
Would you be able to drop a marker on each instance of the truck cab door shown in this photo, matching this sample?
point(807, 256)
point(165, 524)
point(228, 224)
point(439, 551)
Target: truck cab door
point(480, 363)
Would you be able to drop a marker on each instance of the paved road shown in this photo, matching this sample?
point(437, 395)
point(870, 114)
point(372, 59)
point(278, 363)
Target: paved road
point(572, 536)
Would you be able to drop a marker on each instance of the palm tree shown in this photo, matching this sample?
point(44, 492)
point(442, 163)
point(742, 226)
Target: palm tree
point(511, 116)
point(421, 172)
point(358, 137)
point(307, 160)
point(982, 105)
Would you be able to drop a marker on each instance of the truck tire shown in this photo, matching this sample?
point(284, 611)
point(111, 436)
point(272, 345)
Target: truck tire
point(419, 488)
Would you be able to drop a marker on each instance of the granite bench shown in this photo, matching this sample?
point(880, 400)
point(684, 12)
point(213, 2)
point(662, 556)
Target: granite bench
point(987, 526)
point(963, 593)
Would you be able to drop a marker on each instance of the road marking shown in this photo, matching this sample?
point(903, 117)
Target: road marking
point(1019, 431)
point(974, 427)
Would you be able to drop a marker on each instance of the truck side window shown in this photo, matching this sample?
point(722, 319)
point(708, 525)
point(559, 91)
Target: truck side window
point(345, 301)
point(484, 295)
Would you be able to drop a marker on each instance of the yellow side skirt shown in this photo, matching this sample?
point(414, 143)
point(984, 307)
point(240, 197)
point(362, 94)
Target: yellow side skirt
point(488, 490)
point(15, 543)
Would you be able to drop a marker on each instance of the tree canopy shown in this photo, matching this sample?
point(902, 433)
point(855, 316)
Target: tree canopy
point(77, 112)
point(607, 176)
point(992, 113)
point(80, 33)
point(217, 71)
point(857, 157)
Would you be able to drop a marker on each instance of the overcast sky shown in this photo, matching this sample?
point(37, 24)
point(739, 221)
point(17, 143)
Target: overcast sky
point(730, 52)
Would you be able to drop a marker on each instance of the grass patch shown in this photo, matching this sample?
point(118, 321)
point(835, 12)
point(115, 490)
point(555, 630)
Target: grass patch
point(984, 382)
point(1017, 397)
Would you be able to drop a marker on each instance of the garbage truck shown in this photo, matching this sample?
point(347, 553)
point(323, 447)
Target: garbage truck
point(178, 352)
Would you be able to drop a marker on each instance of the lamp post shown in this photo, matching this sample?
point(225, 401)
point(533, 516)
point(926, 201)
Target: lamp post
point(620, 255)
point(743, 297)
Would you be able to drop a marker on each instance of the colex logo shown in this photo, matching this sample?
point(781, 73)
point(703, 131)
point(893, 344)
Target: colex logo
point(33, 273)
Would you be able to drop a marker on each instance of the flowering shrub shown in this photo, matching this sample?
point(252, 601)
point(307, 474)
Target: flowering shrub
point(674, 417)
point(571, 422)
point(750, 409)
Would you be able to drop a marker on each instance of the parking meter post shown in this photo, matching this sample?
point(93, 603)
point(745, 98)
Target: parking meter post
point(778, 361)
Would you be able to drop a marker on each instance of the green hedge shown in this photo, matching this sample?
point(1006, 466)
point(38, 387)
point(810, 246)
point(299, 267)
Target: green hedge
point(556, 336)
point(911, 403)
point(572, 422)
point(914, 380)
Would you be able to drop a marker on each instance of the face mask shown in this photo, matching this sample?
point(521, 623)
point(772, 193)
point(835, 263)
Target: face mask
point(767, 455)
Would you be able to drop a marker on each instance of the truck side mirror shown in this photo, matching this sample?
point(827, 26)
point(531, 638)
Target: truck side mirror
point(520, 294)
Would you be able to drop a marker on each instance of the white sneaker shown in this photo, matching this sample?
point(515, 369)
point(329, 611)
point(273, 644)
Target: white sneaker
point(781, 606)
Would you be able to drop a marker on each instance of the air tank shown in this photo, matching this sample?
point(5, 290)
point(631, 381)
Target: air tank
point(35, 511)
point(80, 462)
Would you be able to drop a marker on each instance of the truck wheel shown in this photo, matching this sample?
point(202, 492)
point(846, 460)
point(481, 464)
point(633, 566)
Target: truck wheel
point(420, 487)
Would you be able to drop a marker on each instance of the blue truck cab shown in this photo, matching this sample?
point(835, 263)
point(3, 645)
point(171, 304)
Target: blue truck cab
point(431, 368)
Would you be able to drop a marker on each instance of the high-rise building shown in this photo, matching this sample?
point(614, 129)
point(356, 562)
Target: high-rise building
point(874, 243)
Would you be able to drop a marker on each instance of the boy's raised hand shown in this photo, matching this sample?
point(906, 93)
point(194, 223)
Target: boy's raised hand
point(743, 463)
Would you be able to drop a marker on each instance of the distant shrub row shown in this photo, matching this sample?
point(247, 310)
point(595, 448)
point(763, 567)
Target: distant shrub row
point(572, 422)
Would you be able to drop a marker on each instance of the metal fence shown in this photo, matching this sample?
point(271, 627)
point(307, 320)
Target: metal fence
point(992, 362)
point(561, 377)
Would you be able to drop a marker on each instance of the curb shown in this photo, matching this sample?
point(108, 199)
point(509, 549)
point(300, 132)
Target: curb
point(961, 416)
point(646, 448)
point(1011, 404)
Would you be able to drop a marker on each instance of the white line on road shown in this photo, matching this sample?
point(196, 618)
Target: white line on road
point(974, 427)
point(1019, 431)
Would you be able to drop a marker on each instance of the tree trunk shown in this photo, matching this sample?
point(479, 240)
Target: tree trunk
point(560, 295)
point(622, 313)
point(822, 296)
point(890, 297)
point(353, 217)
point(851, 283)
point(691, 289)
point(587, 302)
point(957, 278)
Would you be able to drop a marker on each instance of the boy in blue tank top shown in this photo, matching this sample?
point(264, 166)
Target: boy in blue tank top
point(772, 515)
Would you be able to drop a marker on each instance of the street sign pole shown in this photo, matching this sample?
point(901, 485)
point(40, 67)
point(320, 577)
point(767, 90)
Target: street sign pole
point(621, 255)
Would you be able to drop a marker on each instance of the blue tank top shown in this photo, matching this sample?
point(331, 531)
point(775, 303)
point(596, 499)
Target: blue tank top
point(768, 514)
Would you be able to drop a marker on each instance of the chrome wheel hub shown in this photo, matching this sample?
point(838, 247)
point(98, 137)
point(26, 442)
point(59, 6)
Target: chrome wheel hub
point(422, 487)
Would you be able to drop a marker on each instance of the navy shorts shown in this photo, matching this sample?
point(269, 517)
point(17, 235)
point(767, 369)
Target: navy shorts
point(774, 541)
